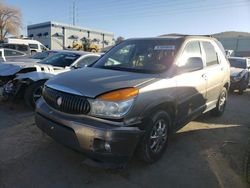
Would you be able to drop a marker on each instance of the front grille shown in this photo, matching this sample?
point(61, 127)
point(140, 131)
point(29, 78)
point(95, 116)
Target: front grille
point(66, 102)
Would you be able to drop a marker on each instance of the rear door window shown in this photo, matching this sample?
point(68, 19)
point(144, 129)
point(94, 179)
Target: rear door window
point(211, 55)
point(10, 53)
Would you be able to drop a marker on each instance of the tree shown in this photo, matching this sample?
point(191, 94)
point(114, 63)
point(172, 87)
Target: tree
point(119, 39)
point(10, 20)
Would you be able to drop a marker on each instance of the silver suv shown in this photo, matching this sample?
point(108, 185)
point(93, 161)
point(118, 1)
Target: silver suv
point(134, 96)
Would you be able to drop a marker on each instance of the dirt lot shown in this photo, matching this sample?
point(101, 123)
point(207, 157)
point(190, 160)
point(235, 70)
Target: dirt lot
point(208, 152)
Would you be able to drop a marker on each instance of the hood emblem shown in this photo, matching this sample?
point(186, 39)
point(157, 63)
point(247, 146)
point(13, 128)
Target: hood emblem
point(59, 101)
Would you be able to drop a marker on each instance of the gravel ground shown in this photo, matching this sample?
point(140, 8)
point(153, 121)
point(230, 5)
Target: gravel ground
point(207, 152)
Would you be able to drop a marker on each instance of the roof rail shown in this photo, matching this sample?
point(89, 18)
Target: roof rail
point(184, 35)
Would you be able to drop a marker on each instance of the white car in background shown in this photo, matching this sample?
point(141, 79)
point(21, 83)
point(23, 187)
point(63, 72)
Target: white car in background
point(34, 45)
point(7, 54)
point(26, 80)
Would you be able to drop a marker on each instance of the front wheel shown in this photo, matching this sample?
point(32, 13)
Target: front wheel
point(32, 93)
point(221, 103)
point(154, 141)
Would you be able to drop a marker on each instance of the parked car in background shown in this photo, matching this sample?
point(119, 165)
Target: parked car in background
point(2, 57)
point(45, 54)
point(229, 53)
point(34, 45)
point(240, 72)
point(19, 47)
point(33, 58)
point(134, 96)
point(10, 54)
point(26, 80)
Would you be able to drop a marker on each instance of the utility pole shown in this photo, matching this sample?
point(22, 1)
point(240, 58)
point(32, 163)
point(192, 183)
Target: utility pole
point(74, 12)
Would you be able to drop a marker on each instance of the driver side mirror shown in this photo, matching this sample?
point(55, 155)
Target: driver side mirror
point(192, 64)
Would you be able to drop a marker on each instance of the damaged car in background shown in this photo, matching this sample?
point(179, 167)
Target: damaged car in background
point(25, 80)
point(239, 73)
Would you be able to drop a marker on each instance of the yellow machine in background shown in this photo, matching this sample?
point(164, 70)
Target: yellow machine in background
point(85, 45)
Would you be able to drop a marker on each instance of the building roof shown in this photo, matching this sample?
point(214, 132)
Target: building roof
point(69, 26)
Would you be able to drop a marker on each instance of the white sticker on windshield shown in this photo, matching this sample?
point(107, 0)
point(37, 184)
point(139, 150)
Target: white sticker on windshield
point(69, 57)
point(167, 47)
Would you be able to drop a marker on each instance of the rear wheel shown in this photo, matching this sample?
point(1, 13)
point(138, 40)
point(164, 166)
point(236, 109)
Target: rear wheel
point(93, 50)
point(32, 93)
point(221, 103)
point(154, 141)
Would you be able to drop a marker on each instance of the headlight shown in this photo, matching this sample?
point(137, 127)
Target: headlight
point(114, 104)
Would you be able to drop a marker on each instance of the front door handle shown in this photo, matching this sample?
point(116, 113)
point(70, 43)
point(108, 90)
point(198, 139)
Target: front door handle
point(204, 76)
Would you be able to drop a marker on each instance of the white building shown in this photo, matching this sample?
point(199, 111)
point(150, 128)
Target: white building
point(58, 36)
point(237, 41)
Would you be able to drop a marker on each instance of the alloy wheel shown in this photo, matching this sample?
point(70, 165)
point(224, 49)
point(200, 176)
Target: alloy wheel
point(158, 136)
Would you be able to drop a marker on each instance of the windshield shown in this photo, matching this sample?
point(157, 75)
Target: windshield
point(147, 56)
point(238, 63)
point(61, 59)
point(43, 55)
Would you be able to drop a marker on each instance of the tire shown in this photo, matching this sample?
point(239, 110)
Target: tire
point(30, 92)
point(93, 50)
point(151, 149)
point(221, 104)
point(33, 52)
point(241, 91)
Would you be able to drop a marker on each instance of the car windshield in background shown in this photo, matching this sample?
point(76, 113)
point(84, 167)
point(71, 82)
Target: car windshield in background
point(238, 63)
point(43, 55)
point(61, 59)
point(146, 56)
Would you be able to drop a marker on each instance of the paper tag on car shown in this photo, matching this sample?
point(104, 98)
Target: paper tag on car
point(165, 47)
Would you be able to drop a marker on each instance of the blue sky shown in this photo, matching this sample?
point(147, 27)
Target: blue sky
point(141, 18)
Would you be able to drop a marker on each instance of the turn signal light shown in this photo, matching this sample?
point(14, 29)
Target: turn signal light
point(118, 95)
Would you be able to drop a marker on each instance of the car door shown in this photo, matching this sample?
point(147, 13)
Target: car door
point(214, 73)
point(191, 85)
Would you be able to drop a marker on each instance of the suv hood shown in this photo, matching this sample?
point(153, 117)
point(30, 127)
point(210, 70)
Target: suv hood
point(235, 71)
point(91, 82)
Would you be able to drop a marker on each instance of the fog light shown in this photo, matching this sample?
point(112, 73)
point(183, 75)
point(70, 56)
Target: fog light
point(107, 146)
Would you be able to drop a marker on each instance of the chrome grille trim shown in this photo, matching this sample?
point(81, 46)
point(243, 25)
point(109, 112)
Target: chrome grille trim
point(70, 103)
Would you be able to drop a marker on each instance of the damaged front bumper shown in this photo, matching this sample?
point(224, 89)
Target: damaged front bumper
point(11, 89)
point(102, 142)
